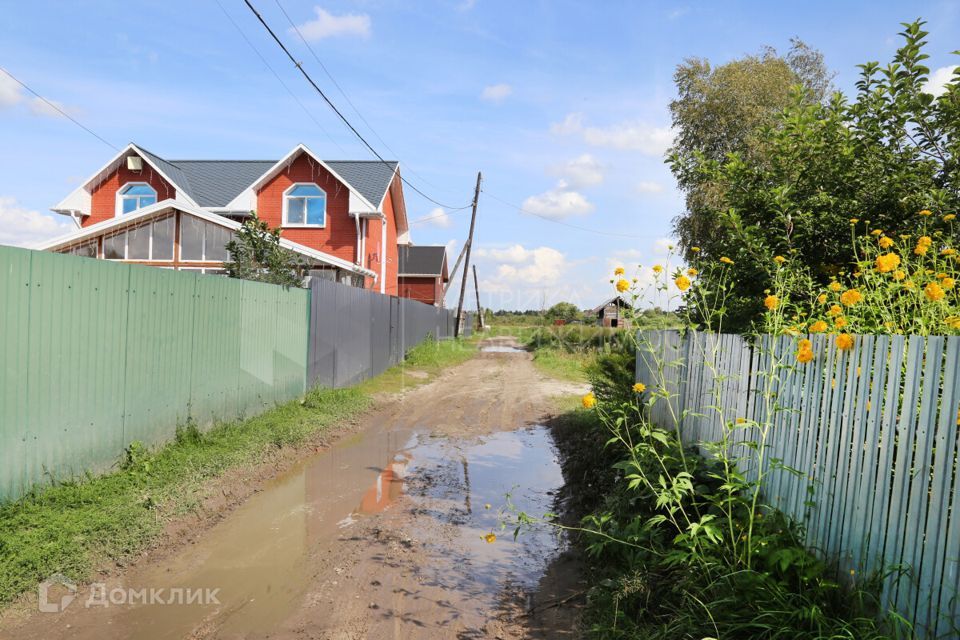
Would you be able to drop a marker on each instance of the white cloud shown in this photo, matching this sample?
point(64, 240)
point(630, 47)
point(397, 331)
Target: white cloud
point(649, 186)
point(327, 25)
point(627, 136)
point(559, 202)
point(9, 91)
point(573, 123)
point(22, 227)
point(437, 218)
point(12, 94)
point(40, 108)
point(517, 268)
point(496, 93)
point(583, 171)
point(936, 85)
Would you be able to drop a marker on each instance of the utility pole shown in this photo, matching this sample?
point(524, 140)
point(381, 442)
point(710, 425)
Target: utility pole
point(476, 288)
point(466, 264)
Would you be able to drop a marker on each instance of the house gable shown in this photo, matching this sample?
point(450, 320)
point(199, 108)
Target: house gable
point(338, 236)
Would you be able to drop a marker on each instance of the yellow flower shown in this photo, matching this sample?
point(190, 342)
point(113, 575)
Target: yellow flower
point(779, 259)
point(741, 420)
point(948, 252)
point(726, 260)
point(639, 387)
point(589, 401)
point(834, 286)
point(854, 220)
point(692, 272)
point(925, 212)
point(876, 232)
point(618, 271)
point(682, 282)
point(804, 355)
point(953, 322)
point(920, 250)
point(844, 342)
point(950, 217)
point(899, 275)
point(948, 283)
point(840, 322)
point(886, 242)
point(934, 292)
point(771, 302)
point(622, 285)
point(909, 285)
point(805, 344)
point(490, 538)
point(850, 297)
point(657, 268)
point(822, 298)
point(835, 310)
point(887, 262)
point(925, 240)
point(818, 327)
point(695, 249)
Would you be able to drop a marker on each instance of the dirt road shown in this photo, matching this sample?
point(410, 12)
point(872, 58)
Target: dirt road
point(380, 536)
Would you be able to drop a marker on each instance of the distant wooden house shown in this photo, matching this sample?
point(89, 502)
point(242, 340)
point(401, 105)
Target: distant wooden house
point(610, 313)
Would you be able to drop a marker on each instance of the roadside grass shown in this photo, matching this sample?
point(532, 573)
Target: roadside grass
point(563, 365)
point(75, 526)
point(423, 363)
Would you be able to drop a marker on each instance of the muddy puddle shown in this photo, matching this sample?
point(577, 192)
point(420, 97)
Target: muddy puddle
point(500, 348)
point(264, 558)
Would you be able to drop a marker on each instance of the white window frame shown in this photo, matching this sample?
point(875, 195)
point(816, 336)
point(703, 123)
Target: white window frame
point(126, 242)
point(118, 212)
point(203, 244)
point(304, 225)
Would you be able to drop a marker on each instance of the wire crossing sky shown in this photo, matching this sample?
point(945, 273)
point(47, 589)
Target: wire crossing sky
point(562, 105)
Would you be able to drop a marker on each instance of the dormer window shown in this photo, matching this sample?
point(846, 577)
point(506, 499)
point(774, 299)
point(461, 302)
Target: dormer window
point(135, 195)
point(304, 205)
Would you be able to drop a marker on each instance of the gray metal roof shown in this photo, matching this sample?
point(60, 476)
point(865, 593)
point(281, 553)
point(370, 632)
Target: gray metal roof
point(370, 177)
point(215, 183)
point(426, 260)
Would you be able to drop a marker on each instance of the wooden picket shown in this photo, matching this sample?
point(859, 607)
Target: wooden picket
point(859, 446)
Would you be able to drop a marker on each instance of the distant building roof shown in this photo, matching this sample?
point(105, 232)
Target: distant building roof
point(422, 260)
point(618, 300)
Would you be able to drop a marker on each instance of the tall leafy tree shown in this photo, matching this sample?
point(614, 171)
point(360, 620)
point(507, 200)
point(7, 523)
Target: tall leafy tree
point(794, 189)
point(724, 109)
point(256, 254)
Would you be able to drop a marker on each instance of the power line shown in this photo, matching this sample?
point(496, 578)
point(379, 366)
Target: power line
point(329, 75)
point(439, 215)
point(330, 103)
point(61, 111)
point(565, 224)
point(279, 79)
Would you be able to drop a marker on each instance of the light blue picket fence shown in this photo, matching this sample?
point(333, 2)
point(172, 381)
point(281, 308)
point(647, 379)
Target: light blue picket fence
point(872, 432)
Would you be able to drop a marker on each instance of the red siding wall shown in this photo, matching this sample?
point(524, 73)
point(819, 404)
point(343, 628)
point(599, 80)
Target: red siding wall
point(103, 199)
point(423, 289)
point(372, 256)
point(339, 237)
point(393, 257)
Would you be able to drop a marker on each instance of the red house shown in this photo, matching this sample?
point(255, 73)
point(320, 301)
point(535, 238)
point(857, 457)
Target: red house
point(423, 273)
point(346, 219)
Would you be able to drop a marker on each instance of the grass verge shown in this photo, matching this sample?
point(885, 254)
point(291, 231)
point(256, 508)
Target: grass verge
point(563, 365)
point(74, 527)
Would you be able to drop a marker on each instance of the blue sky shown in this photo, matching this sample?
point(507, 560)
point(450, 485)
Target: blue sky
point(561, 104)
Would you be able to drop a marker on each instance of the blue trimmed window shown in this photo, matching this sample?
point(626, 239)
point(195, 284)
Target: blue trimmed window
point(305, 205)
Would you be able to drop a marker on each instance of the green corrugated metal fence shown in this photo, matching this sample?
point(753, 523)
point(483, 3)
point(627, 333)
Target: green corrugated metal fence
point(873, 431)
point(95, 355)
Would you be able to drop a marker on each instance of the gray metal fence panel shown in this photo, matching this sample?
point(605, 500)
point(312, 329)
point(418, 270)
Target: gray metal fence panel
point(356, 334)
